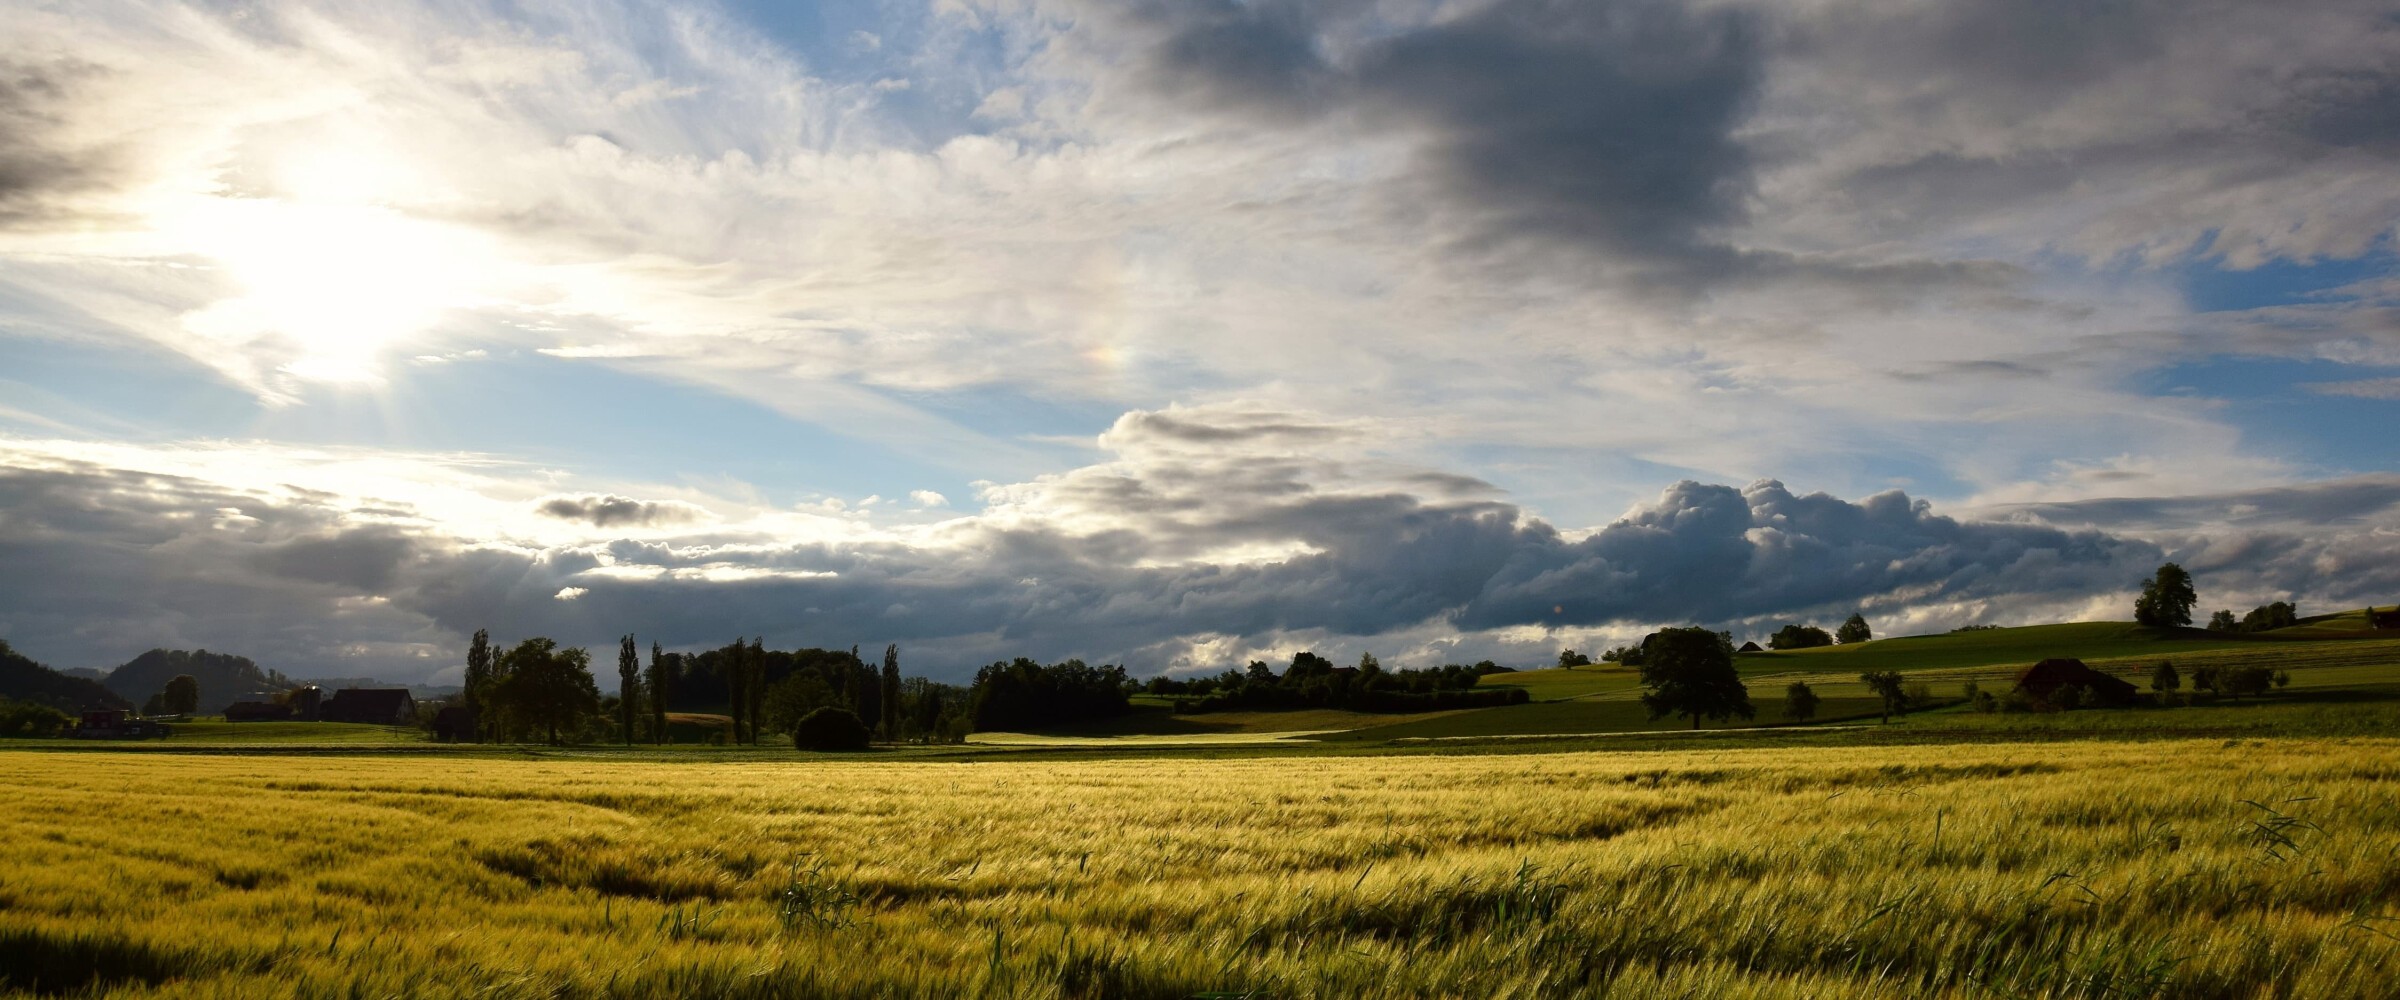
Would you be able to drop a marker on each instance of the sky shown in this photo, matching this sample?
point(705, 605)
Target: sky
point(1180, 333)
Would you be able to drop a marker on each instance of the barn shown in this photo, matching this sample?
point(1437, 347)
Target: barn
point(381, 706)
point(2043, 679)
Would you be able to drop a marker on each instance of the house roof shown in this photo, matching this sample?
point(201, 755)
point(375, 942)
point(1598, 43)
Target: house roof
point(379, 702)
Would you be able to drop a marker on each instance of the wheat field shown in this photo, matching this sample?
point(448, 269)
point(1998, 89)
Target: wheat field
point(2118, 869)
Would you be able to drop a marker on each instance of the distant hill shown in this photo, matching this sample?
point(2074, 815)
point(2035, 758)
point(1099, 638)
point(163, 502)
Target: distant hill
point(22, 679)
point(224, 678)
point(86, 673)
point(420, 692)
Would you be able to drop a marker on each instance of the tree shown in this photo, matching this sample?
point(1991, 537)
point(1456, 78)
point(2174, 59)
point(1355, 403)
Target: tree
point(547, 687)
point(2206, 679)
point(2223, 621)
point(2067, 697)
point(1853, 630)
point(1570, 659)
point(1799, 637)
point(830, 729)
point(661, 685)
point(2164, 678)
point(629, 686)
point(891, 691)
point(2253, 681)
point(1799, 702)
point(736, 671)
point(1888, 686)
point(754, 678)
point(478, 683)
point(794, 697)
point(1689, 672)
point(2271, 616)
point(2167, 598)
point(182, 696)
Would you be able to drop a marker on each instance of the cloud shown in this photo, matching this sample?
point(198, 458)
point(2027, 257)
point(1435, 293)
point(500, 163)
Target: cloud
point(2369, 388)
point(1601, 125)
point(611, 511)
point(928, 499)
point(1156, 557)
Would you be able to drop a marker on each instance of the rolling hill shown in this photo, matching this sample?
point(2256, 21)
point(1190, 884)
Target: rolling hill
point(22, 679)
point(224, 678)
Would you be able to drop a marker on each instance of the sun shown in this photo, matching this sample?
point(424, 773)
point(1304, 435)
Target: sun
point(327, 286)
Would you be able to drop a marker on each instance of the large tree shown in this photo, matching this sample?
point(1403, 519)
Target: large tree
point(1799, 702)
point(754, 678)
point(1888, 686)
point(629, 686)
point(2167, 598)
point(736, 671)
point(548, 688)
point(182, 695)
point(891, 692)
point(1689, 672)
point(478, 684)
point(1799, 637)
point(1853, 630)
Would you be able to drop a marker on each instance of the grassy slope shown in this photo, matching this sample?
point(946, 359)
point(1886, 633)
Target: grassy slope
point(1591, 716)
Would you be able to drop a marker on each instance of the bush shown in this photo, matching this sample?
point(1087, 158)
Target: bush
point(25, 718)
point(2019, 701)
point(830, 729)
point(2068, 697)
point(1984, 702)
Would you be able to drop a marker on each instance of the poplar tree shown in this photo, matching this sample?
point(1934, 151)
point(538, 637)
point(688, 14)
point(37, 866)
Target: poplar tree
point(661, 682)
point(756, 700)
point(891, 691)
point(479, 679)
point(629, 685)
point(736, 673)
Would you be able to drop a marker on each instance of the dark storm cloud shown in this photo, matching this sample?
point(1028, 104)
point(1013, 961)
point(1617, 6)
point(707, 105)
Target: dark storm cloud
point(1714, 554)
point(610, 510)
point(1606, 125)
point(1110, 562)
point(102, 564)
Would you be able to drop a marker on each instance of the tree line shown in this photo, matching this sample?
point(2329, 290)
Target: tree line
point(823, 699)
point(1312, 681)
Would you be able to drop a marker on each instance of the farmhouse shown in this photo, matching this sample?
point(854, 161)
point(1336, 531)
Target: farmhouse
point(117, 724)
point(380, 706)
point(2383, 619)
point(1750, 647)
point(2043, 679)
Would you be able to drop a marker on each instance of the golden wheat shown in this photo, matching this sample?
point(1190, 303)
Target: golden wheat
point(2173, 869)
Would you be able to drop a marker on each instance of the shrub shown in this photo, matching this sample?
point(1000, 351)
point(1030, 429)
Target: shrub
point(25, 718)
point(1984, 702)
point(2068, 697)
point(2019, 701)
point(830, 729)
